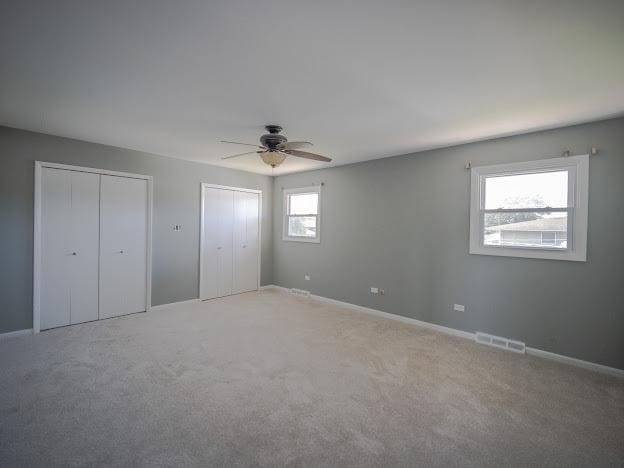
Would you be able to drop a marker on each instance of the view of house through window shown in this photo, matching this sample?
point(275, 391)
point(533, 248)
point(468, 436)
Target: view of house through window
point(526, 210)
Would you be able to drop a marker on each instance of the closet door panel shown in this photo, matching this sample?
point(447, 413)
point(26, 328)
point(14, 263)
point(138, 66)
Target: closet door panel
point(245, 253)
point(224, 226)
point(253, 242)
point(85, 243)
point(210, 219)
point(55, 248)
point(123, 245)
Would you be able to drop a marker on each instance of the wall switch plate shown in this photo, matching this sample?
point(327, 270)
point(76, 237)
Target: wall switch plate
point(458, 307)
point(374, 290)
point(307, 277)
point(177, 227)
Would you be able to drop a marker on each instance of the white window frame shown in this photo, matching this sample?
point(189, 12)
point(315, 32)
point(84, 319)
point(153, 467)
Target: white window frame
point(578, 190)
point(285, 208)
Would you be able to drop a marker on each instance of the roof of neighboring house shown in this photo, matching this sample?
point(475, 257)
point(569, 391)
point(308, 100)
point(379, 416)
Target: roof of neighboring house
point(542, 224)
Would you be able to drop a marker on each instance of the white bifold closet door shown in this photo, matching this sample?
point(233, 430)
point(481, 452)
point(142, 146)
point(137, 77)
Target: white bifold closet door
point(245, 242)
point(70, 247)
point(229, 263)
point(123, 245)
point(217, 218)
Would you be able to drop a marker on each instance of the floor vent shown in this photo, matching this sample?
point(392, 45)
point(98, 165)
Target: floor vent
point(299, 292)
point(498, 342)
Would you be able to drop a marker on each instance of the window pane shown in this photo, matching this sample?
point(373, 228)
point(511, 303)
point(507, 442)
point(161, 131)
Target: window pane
point(549, 237)
point(303, 203)
point(541, 190)
point(302, 226)
point(547, 230)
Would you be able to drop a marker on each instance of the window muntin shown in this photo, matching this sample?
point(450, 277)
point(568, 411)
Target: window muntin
point(302, 214)
point(536, 209)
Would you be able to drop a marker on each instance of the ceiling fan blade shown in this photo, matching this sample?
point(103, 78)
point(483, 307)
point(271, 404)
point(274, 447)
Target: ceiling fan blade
point(305, 154)
point(246, 144)
point(241, 154)
point(294, 144)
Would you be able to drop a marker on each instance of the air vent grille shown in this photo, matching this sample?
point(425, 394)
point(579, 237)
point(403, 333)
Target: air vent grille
point(299, 292)
point(499, 342)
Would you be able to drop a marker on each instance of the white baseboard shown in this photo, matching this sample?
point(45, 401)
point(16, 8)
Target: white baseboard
point(398, 318)
point(377, 313)
point(162, 306)
point(15, 334)
point(460, 333)
point(273, 286)
point(575, 362)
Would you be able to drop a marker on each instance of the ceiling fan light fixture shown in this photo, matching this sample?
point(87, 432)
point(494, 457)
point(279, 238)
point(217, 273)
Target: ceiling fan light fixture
point(273, 158)
point(275, 148)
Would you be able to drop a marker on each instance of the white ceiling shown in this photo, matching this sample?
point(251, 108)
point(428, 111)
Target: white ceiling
point(361, 79)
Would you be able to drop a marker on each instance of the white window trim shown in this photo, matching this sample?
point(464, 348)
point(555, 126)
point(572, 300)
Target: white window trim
point(286, 194)
point(578, 185)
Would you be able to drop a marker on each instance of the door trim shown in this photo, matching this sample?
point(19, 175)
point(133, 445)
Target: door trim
point(203, 187)
point(39, 165)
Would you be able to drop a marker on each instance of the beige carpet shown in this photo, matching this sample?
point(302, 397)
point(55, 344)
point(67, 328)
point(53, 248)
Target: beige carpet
point(272, 379)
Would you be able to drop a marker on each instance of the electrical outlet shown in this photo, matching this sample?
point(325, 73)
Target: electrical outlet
point(458, 307)
point(177, 227)
point(374, 290)
point(307, 277)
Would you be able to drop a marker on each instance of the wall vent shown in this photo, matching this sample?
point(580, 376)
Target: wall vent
point(499, 342)
point(299, 292)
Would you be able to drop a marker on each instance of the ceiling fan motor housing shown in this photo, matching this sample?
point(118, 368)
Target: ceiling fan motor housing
point(272, 139)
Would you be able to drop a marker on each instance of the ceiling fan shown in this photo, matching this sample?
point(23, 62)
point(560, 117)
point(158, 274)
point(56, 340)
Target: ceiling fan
point(274, 148)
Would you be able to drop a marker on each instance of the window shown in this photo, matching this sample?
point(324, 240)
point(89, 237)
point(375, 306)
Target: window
point(534, 209)
point(302, 217)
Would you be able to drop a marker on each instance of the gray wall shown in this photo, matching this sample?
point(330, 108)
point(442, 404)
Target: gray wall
point(402, 224)
point(176, 201)
point(398, 223)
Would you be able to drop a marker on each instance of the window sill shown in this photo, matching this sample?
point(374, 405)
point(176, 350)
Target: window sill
point(546, 254)
point(315, 240)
